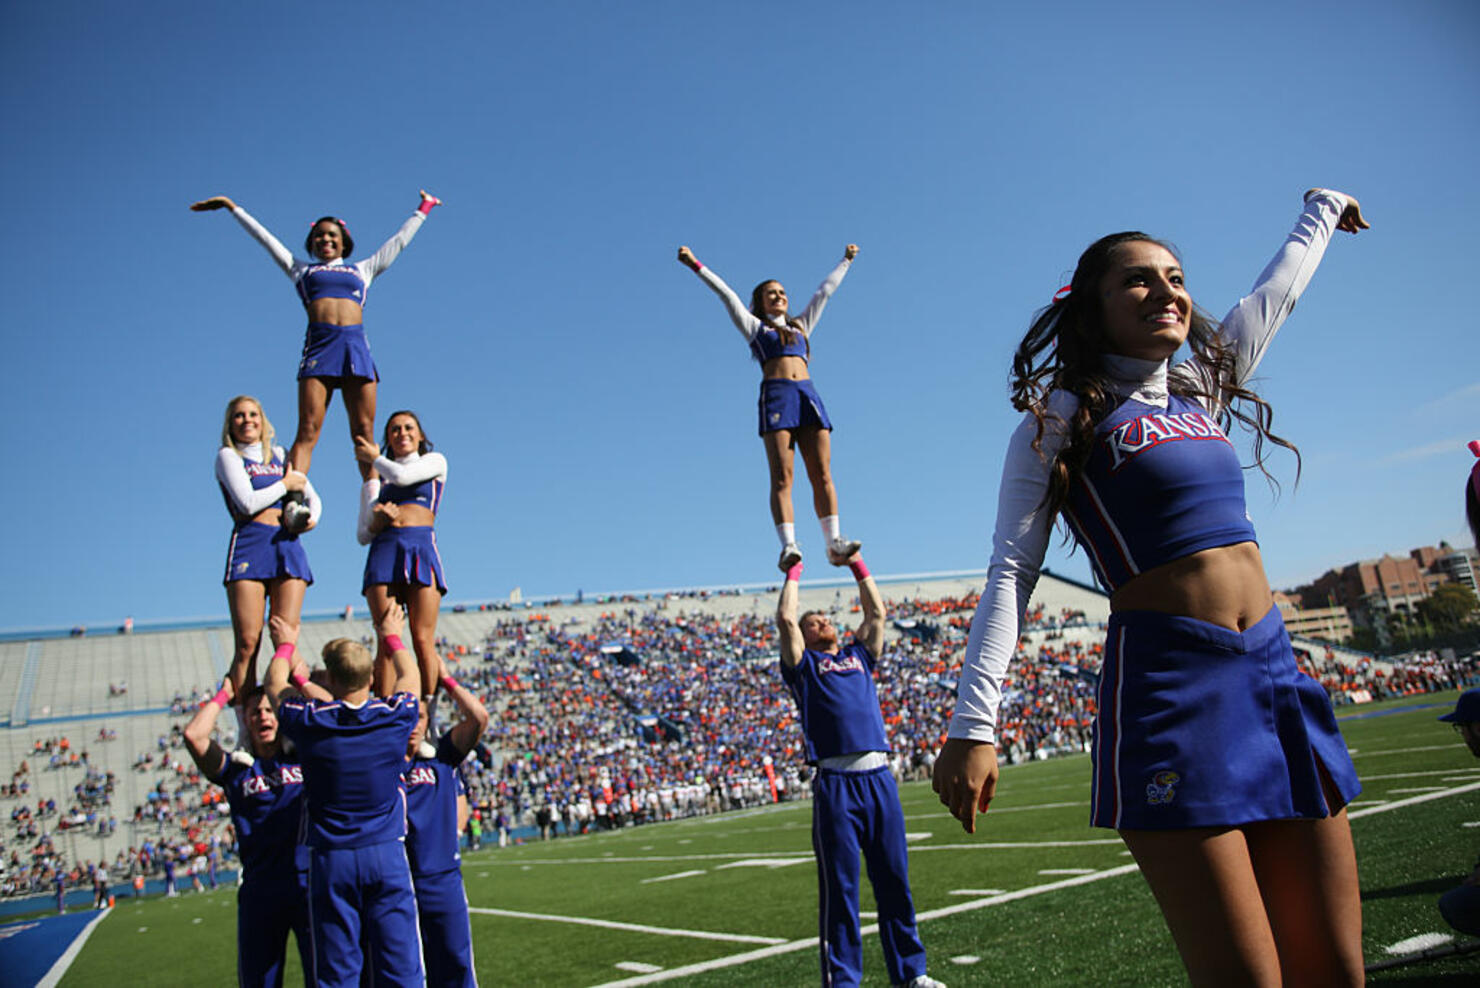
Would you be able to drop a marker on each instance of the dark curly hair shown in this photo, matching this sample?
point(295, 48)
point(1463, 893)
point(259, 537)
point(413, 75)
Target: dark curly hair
point(349, 242)
point(1063, 350)
point(423, 447)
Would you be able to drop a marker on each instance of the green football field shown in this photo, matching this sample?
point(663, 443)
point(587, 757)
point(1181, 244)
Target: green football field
point(1034, 897)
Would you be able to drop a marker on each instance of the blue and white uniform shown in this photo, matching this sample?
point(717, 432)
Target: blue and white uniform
point(1198, 725)
point(404, 555)
point(355, 829)
point(329, 351)
point(432, 788)
point(266, 800)
point(252, 483)
point(783, 403)
point(855, 807)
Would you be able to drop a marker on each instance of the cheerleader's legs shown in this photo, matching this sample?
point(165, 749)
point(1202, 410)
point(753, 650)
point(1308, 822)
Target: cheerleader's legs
point(422, 606)
point(313, 404)
point(246, 599)
point(779, 459)
point(816, 446)
point(1269, 903)
point(359, 403)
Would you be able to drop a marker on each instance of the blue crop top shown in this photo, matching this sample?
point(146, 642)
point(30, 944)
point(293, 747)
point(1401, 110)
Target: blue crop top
point(336, 280)
point(428, 494)
point(1160, 484)
point(768, 343)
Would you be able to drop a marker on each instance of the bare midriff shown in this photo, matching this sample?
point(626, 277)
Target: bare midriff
point(412, 515)
point(269, 516)
point(786, 368)
point(336, 311)
point(1225, 586)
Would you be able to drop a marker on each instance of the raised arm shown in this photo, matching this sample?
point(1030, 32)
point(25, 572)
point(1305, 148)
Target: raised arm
point(870, 633)
point(277, 684)
point(1251, 324)
point(813, 311)
point(745, 320)
point(965, 774)
point(788, 631)
point(466, 732)
point(391, 249)
point(282, 255)
point(204, 751)
point(408, 679)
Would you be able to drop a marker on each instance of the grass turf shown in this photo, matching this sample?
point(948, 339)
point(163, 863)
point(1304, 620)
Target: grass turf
point(754, 883)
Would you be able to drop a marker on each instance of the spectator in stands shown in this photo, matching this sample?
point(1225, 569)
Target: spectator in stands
point(855, 802)
point(265, 562)
point(791, 413)
point(1460, 906)
point(1203, 708)
point(265, 792)
point(352, 749)
point(398, 507)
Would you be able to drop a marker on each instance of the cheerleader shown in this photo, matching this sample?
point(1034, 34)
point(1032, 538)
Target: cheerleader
point(1218, 762)
point(398, 507)
point(336, 353)
point(265, 562)
point(791, 412)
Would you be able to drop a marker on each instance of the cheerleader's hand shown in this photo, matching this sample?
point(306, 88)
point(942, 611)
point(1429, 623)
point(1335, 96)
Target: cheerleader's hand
point(392, 622)
point(427, 202)
point(1351, 219)
point(214, 202)
point(365, 449)
point(687, 259)
point(850, 252)
point(283, 631)
point(293, 480)
point(965, 778)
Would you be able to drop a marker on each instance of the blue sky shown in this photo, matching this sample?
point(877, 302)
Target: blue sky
point(595, 405)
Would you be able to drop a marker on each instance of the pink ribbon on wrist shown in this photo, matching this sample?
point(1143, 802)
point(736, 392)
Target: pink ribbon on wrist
point(794, 574)
point(394, 643)
point(299, 679)
point(448, 683)
point(425, 208)
point(284, 652)
point(860, 571)
point(220, 699)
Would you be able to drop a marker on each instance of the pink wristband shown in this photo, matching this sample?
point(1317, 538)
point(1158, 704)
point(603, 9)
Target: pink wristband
point(284, 652)
point(299, 679)
point(219, 699)
point(425, 208)
point(394, 643)
point(448, 683)
point(860, 571)
point(794, 574)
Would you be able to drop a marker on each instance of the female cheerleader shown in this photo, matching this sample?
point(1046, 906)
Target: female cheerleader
point(336, 353)
point(398, 506)
point(264, 562)
point(791, 413)
point(1218, 762)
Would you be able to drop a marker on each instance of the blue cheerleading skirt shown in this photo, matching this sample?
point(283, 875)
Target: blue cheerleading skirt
point(787, 404)
point(405, 556)
point(337, 352)
point(265, 552)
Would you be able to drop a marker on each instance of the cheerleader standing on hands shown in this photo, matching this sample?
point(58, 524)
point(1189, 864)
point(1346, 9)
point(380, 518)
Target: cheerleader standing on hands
point(398, 507)
point(336, 353)
point(791, 413)
point(265, 561)
point(1218, 762)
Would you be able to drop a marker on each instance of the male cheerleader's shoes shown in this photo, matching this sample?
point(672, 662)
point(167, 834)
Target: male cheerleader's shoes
point(295, 516)
point(791, 554)
point(924, 981)
point(840, 550)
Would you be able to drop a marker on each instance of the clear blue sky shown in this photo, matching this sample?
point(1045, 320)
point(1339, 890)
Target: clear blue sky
point(595, 405)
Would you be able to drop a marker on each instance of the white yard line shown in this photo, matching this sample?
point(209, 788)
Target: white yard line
point(1358, 753)
point(669, 878)
point(607, 924)
point(54, 976)
point(1415, 775)
point(1399, 804)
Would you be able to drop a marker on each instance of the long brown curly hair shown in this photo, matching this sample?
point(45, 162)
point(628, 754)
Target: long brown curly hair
point(790, 328)
point(1063, 350)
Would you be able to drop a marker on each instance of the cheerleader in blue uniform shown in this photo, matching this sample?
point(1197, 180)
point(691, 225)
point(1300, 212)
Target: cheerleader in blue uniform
point(1216, 759)
point(336, 353)
point(398, 507)
point(264, 561)
point(790, 410)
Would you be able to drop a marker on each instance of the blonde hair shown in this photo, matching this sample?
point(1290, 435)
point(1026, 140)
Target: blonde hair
point(349, 663)
point(229, 441)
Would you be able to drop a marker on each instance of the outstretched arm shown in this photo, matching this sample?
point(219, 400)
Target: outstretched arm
point(391, 249)
point(276, 684)
point(745, 320)
point(870, 633)
point(466, 732)
point(204, 751)
point(408, 678)
point(788, 631)
point(813, 311)
point(282, 255)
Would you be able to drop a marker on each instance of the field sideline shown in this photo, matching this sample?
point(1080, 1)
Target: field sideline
point(1035, 897)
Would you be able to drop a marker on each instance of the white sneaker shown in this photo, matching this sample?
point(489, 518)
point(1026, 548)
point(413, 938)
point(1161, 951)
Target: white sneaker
point(839, 550)
point(791, 554)
point(295, 517)
point(924, 981)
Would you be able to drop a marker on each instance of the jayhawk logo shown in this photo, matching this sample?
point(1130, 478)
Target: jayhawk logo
point(242, 567)
point(1162, 788)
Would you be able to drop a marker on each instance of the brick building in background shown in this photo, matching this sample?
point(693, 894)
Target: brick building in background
point(1375, 591)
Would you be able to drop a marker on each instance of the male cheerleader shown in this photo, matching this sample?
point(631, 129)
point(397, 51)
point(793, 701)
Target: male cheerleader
point(436, 809)
point(265, 792)
point(353, 748)
point(855, 803)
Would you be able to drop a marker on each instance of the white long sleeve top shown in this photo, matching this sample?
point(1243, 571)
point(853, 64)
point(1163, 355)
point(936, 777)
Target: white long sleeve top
point(406, 471)
point(749, 324)
point(295, 268)
point(231, 474)
point(1024, 525)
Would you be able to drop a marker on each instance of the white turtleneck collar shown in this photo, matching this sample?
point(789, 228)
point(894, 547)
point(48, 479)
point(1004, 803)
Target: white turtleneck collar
point(1141, 380)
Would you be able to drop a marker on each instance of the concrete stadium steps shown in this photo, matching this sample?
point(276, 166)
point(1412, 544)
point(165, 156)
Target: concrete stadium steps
point(72, 675)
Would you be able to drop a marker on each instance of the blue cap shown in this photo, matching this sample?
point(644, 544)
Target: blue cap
point(1467, 710)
